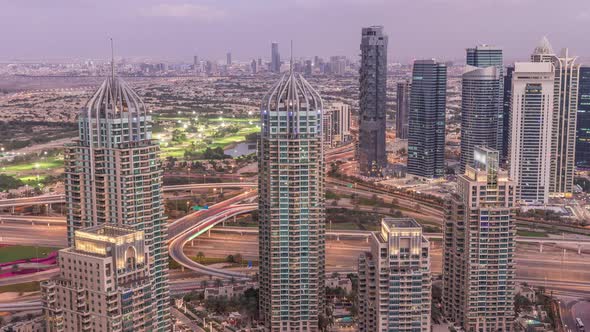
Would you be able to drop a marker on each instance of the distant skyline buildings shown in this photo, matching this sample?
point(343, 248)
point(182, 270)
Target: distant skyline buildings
point(372, 101)
point(426, 134)
point(275, 58)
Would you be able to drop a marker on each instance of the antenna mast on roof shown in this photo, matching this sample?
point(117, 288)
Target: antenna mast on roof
point(112, 59)
point(291, 61)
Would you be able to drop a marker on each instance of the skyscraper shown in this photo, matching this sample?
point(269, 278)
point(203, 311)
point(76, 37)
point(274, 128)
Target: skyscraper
point(253, 67)
point(479, 246)
point(373, 83)
point(506, 114)
point(483, 56)
point(275, 58)
point(531, 130)
point(403, 109)
point(565, 107)
point(426, 133)
point(103, 283)
point(228, 58)
point(395, 280)
point(480, 102)
point(113, 175)
point(583, 121)
point(196, 65)
point(291, 206)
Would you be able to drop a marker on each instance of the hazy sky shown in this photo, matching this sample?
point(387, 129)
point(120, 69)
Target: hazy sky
point(177, 29)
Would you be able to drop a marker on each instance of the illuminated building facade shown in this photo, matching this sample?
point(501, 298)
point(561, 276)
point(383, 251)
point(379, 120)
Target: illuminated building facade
point(103, 284)
point(113, 175)
point(395, 281)
point(479, 247)
point(565, 109)
point(291, 207)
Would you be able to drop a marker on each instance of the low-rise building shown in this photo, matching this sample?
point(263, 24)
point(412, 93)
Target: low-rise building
point(395, 281)
point(103, 283)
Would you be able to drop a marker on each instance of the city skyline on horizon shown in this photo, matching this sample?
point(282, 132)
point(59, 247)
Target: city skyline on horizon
point(175, 30)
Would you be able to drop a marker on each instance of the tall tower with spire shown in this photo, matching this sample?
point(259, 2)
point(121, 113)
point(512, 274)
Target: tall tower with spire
point(291, 206)
point(113, 175)
point(565, 109)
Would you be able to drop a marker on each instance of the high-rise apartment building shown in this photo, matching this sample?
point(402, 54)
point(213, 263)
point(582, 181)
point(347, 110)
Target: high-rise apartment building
point(196, 64)
point(337, 65)
point(253, 67)
point(395, 280)
point(480, 104)
point(531, 130)
point(479, 246)
point(291, 207)
point(103, 284)
point(373, 83)
point(340, 122)
point(275, 58)
point(426, 133)
point(506, 114)
point(565, 107)
point(583, 121)
point(403, 110)
point(113, 175)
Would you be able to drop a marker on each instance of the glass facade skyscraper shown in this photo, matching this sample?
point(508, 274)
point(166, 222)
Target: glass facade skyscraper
point(583, 121)
point(372, 84)
point(403, 109)
point(483, 56)
point(479, 110)
point(426, 134)
point(113, 175)
point(275, 58)
point(291, 207)
point(506, 114)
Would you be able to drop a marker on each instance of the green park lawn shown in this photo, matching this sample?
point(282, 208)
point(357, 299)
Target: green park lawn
point(521, 232)
point(13, 253)
point(49, 163)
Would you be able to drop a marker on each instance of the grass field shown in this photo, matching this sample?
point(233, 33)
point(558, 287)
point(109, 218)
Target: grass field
point(13, 253)
point(49, 163)
point(32, 286)
point(521, 232)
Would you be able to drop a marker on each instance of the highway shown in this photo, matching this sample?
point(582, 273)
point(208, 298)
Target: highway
point(176, 246)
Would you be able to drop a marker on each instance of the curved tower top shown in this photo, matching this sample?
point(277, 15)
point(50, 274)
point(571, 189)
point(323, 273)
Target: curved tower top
point(292, 93)
point(114, 99)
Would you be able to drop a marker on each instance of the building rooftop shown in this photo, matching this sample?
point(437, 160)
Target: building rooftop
point(401, 223)
point(108, 230)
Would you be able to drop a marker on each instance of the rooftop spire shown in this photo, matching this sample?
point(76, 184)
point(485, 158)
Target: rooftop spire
point(291, 61)
point(112, 60)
